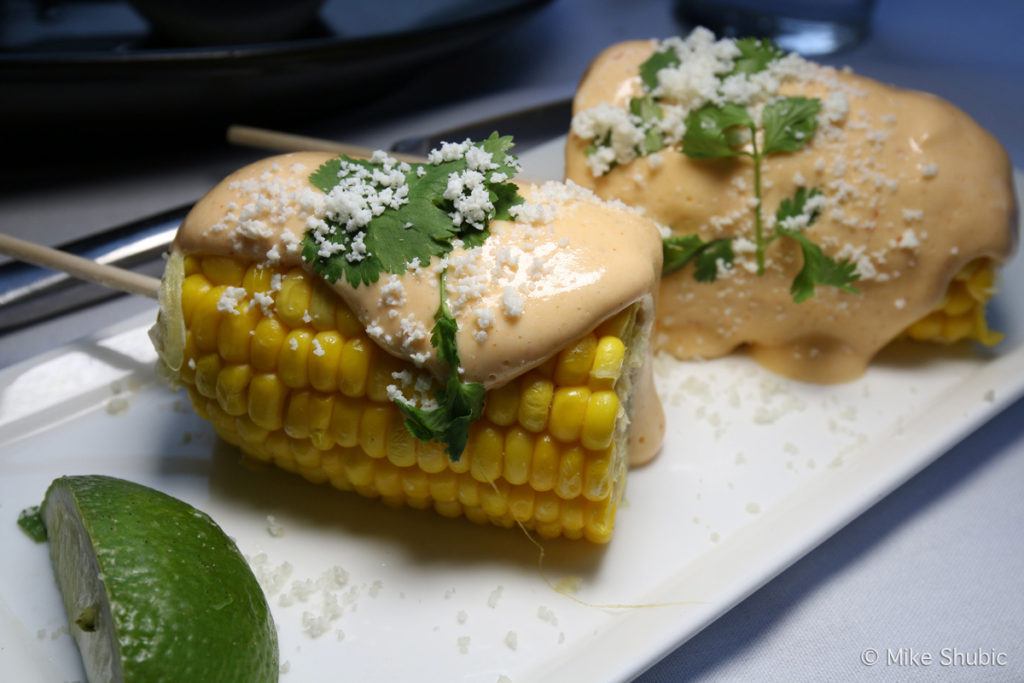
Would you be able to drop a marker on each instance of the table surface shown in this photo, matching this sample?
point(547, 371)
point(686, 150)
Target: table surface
point(938, 565)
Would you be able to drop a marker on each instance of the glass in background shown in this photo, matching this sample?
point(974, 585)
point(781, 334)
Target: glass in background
point(809, 27)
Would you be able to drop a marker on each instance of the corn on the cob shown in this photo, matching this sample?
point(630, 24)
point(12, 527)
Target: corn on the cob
point(961, 315)
point(299, 384)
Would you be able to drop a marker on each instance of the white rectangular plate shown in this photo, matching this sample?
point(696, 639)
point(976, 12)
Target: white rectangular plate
point(756, 471)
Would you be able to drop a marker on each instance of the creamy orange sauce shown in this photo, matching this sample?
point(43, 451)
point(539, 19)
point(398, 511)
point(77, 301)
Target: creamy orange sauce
point(529, 291)
point(899, 161)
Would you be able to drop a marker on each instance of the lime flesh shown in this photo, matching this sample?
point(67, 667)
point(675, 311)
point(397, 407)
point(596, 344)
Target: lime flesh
point(153, 588)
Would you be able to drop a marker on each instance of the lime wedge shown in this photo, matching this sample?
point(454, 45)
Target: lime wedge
point(153, 588)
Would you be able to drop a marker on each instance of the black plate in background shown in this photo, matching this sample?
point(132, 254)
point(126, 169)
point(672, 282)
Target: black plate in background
point(82, 62)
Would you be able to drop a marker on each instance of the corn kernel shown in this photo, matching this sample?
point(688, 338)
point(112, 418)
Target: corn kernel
point(292, 363)
point(223, 270)
point(266, 401)
point(575, 361)
point(324, 361)
point(568, 408)
point(265, 345)
point(599, 420)
point(231, 390)
point(534, 402)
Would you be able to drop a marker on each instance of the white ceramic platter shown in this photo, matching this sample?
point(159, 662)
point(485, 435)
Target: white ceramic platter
point(755, 472)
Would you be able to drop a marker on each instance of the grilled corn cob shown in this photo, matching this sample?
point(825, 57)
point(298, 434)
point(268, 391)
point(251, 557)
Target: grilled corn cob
point(961, 315)
point(297, 382)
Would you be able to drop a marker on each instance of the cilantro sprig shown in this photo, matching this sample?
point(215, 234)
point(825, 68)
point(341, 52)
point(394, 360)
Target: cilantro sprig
point(419, 229)
point(459, 403)
point(787, 125)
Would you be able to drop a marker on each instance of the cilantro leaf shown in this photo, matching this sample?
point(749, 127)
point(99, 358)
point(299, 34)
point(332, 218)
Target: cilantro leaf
point(649, 112)
point(679, 250)
point(419, 229)
point(755, 56)
point(459, 403)
point(663, 59)
point(712, 132)
point(789, 123)
point(819, 269)
point(794, 206)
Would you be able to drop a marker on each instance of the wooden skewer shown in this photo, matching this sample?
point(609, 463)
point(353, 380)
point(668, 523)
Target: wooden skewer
point(277, 141)
point(81, 268)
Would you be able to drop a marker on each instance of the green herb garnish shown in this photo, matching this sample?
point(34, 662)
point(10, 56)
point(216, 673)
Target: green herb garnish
point(679, 250)
point(419, 229)
point(459, 403)
point(818, 269)
point(663, 59)
point(787, 125)
point(755, 56)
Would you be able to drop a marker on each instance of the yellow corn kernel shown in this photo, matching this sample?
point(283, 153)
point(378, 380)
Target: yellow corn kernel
point(401, 450)
point(598, 521)
point(494, 498)
point(355, 366)
point(292, 302)
point(292, 363)
point(223, 270)
point(444, 487)
point(487, 453)
point(306, 457)
point(333, 468)
point(958, 300)
point(448, 508)
point(548, 530)
point(469, 492)
point(295, 422)
point(544, 469)
point(415, 484)
point(520, 503)
point(619, 325)
point(575, 361)
point(373, 431)
point(265, 345)
point(957, 328)
point(250, 432)
point(207, 370)
point(324, 361)
point(568, 409)
point(570, 473)
point(267, 396)
point(206, 320)
point(257, 279)
point(546, 507)
point(431, 457)
point(572, 515)
point(927, 328)
point(608, 358)
point(193, 289)
point(380, 377)
point(475, 514)
point(518, 455)
point(347, 322)
point(597, 478)
point(388, 480)
point(358, 466)
point(502, 405)
point(981, 283)
point(534, 402)
point(192, 265)
point(462, 465)
point(322, 308)
point(236, 332)
point(345, 421)
point(232, 386)
point(599, 420)
point(320, 409)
